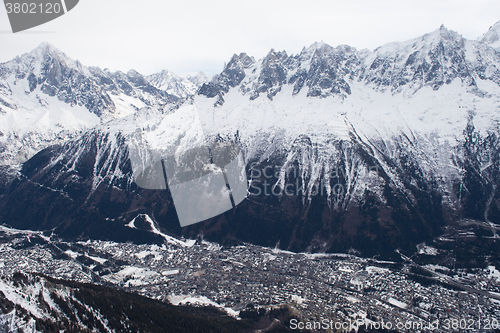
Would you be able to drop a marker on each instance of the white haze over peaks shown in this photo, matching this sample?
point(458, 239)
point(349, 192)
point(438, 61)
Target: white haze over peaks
point(190, 36)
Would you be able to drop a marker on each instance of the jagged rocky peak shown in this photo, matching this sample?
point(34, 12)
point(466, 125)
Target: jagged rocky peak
point(45, 52)
point(320, 50)
point(58, 75)
point(57, 97)
point(444, 33)
point(177, 85)
point(95, 88)
point(45, 61)
point(230, 77)
point(48, 51)
point(317, 48)
point(274, 57)
point(492, 36)
point(198, 79)
point(242, 60)
point(328, 71)
point(320, 67)
point(53, 73)
point(163, 80)
point(137, 79)
point(273, 74)
point(234, 72)
point(433, 60)
point(132, 73)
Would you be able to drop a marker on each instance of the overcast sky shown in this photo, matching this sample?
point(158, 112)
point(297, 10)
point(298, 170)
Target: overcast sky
point(190, 35)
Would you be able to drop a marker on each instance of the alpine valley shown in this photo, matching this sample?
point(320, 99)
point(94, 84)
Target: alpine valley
point(389, 154)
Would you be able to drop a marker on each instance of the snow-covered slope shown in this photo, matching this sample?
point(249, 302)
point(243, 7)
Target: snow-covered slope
point(35, 304)
point(176, 85)
point(47, 98)
point(433, 60)
point(492, 36)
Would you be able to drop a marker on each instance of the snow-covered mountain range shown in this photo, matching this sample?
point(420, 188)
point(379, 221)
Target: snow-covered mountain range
point(177, 85)
point(47, 97)
point(378, 149)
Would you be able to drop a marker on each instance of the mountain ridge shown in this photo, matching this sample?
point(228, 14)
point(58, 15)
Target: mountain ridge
point(442, 49)
point(177, 85)
point(492, 36)
point(47, 97)
point(398, 142)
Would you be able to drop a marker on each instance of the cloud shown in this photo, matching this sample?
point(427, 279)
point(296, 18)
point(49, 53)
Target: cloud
point(187, 36)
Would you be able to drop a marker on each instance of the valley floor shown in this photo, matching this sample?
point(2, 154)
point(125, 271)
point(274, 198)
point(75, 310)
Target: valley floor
point(331, 289)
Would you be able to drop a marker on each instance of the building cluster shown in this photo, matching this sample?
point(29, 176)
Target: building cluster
point(336, 287)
